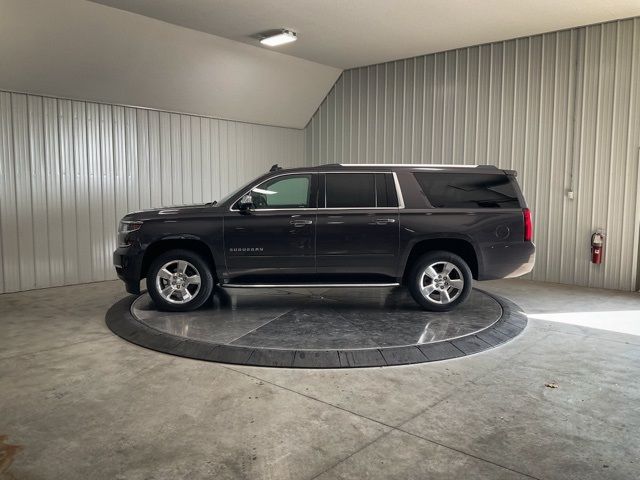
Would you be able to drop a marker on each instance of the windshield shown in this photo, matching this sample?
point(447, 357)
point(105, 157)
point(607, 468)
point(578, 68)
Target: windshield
point(238, 191)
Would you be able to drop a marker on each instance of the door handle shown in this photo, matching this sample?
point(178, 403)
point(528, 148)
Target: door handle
point(300, 222)
point(384, 221)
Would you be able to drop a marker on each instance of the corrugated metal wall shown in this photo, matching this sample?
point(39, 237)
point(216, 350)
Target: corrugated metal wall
point(69, 170)
point(563, 109)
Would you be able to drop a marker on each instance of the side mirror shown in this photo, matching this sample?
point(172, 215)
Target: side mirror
point(246, 203)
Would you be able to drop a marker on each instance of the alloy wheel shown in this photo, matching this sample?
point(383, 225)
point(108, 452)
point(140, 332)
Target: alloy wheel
point(441, 282)
point(178, 281)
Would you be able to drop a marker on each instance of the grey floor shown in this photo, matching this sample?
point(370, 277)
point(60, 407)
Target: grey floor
point(83, 403)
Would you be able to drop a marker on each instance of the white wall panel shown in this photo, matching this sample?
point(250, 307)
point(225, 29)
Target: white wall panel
point(53, 191)
point(23, 191)
point(8, 218)
point(69, 170)
point(563, 109)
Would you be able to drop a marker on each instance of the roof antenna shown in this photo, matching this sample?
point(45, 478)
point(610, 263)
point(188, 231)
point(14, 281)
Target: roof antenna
point(275, 168)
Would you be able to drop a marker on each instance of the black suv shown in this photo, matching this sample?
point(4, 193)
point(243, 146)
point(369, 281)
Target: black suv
point(430, 227)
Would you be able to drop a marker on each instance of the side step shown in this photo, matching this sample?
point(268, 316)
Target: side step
point(308, 285)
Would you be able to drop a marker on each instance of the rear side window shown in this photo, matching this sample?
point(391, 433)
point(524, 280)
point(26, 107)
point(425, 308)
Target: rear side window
point(386, 190)
point(360, 190)
point(464, 190)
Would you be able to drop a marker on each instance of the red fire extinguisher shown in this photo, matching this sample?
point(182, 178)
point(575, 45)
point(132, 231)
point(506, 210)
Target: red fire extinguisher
point(597, 247)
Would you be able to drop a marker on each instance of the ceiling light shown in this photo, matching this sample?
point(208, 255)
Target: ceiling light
point(285, 36)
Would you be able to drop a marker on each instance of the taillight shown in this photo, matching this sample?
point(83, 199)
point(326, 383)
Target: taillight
point(528, 225)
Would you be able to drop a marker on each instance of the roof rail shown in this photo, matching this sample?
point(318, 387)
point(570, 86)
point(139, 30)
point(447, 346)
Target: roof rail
point(415, 165)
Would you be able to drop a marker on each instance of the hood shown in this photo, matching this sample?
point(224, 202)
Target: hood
point(168, 212)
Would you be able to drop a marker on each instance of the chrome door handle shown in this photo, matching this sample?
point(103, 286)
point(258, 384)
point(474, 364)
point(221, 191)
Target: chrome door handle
point(300, 223)
point(384, 221)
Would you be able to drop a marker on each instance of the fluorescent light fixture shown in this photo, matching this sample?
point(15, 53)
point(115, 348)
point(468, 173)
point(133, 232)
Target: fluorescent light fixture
point(285, 36)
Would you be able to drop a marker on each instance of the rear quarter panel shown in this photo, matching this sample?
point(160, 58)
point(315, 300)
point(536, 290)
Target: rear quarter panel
point(496, 236)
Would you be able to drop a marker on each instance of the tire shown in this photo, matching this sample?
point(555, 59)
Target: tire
point(435, 290)
point(172, 283)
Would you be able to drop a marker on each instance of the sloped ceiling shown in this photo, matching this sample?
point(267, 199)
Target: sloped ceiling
point(352, 33)
point(83, 50)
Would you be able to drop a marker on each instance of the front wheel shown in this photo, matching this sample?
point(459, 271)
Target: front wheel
point(439, 281)
point(179, 281)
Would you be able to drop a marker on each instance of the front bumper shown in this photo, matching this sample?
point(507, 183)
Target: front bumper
point(128, 264)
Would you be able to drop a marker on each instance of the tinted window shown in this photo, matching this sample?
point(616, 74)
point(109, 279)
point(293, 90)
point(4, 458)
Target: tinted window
point(381, 190)
point(344, 190)
point(386, 190)
point(455, 190)
point(291, 191)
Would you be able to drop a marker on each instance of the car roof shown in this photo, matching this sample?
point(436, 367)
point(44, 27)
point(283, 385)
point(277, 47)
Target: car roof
point(395, 166)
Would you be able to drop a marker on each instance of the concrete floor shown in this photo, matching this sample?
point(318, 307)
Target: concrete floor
point(86, 404)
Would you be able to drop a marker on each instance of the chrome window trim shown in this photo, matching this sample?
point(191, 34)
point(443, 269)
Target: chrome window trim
point(358, 208)
point(301, 209)
point(398, 190)
point(395, 181)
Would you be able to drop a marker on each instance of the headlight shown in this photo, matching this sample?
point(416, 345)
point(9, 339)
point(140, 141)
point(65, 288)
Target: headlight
point(127, 226)
point(124, 229)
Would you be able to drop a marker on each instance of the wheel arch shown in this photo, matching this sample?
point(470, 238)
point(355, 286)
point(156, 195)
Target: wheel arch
point(457, 245)
point(163, 245)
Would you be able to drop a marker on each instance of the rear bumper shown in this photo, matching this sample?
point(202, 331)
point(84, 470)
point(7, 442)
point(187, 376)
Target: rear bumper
point(507, 260)
point(128, 264)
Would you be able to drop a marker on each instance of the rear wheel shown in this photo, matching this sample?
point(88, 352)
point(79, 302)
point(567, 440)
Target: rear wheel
point(179, 281)
point(439, 281)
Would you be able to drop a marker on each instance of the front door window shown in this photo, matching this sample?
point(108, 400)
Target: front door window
point(291, 191)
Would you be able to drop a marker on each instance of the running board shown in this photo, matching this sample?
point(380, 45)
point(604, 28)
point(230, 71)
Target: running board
point(308, 285)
